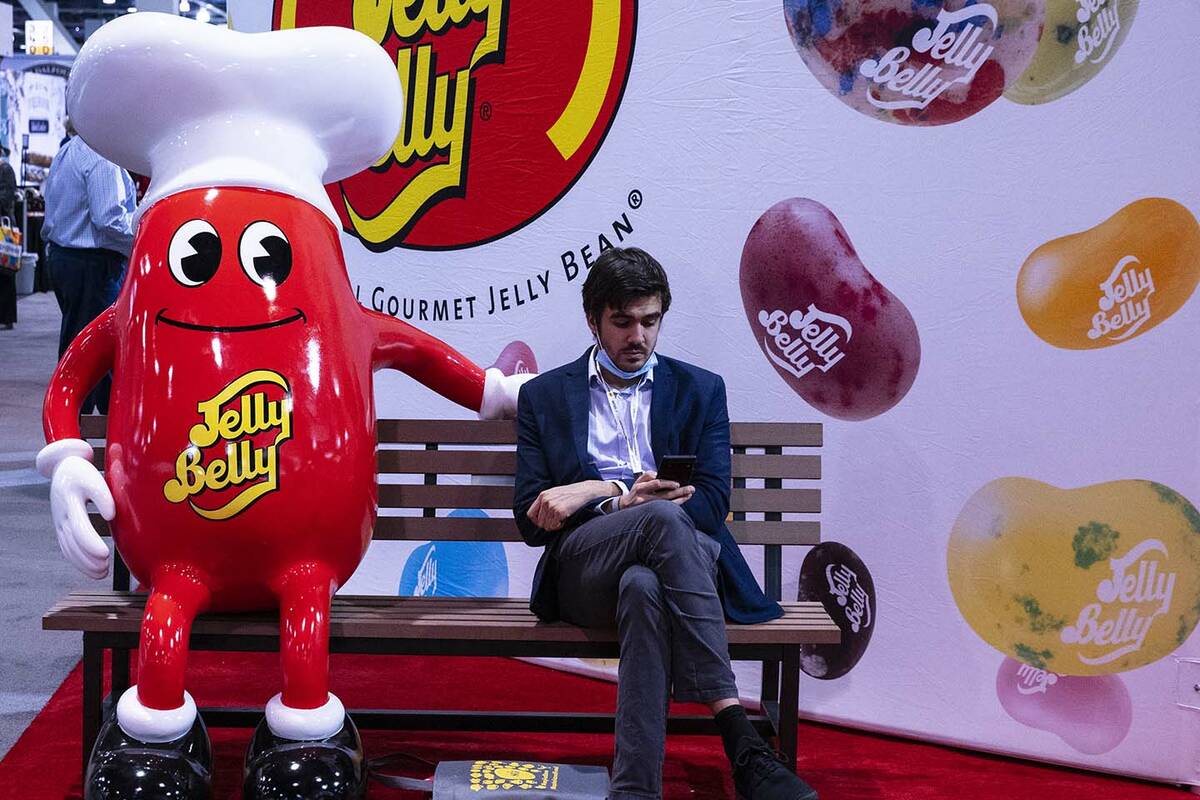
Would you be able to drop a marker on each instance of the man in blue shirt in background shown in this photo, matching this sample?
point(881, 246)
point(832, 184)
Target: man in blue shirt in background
point(89, 234)
point(624, 549)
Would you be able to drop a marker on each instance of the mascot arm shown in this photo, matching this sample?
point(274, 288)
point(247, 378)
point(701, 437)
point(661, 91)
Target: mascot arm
point(87, 360)
point(439, 366)
point(66, 458)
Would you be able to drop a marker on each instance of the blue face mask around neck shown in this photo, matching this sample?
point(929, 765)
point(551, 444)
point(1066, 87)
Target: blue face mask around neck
point(607, 363)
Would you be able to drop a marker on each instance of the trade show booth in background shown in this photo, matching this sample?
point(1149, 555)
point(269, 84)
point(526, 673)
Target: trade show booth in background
point(33, 115)
point(971, 257)
point(35, 112)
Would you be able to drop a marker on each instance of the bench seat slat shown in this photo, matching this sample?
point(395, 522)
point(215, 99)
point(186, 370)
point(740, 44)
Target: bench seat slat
point(84, 599)
point(85, 604)
point(501, 619)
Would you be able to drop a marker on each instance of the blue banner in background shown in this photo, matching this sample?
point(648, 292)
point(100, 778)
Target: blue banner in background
point(456, 569)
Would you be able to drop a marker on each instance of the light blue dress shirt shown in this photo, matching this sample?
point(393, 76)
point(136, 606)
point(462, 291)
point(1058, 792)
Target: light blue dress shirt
point(89, 201)
point(619, 428)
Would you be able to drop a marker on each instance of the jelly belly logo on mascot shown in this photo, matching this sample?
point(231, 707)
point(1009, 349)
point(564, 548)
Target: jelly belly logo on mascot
point(502, 114)
point(243, 464)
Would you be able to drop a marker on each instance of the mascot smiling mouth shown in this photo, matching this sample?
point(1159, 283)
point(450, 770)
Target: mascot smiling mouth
point(191, 326)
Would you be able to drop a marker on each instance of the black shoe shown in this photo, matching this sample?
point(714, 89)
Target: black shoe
point(286, 769)
point(124, 768)
point(759, 774)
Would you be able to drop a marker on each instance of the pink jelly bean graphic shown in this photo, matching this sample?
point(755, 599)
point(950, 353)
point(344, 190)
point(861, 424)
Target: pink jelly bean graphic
point(516, 358)
point(916, 63)
point(1091, 714)
point(834, 333)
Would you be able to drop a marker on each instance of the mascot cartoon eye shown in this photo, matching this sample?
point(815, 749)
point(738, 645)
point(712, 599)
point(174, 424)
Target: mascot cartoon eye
point(195, 252)
point(265, 253)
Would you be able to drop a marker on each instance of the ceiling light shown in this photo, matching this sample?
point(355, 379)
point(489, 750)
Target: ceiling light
point(133, 9)
point(110, 2)
point(203, 16)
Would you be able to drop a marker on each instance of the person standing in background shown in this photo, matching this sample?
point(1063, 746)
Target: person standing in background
point(89, 234)
point(8, 204)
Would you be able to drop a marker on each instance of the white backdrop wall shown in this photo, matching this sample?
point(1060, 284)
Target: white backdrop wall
point(721, 118)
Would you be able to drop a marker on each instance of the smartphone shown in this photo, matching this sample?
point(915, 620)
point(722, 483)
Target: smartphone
point(676, 468)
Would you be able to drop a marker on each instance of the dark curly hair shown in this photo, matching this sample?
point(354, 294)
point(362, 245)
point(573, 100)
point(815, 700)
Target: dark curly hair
point(620, 276)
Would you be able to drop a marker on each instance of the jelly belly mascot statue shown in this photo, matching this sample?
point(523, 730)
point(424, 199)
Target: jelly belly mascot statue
point(240, 469)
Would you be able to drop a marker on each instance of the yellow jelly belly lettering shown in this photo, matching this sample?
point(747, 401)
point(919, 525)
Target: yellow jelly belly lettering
point(440, 103)
point(229, 421)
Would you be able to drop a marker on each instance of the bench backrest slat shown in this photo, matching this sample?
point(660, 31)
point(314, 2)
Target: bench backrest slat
point(742, 434)
point(443, 454)
point(504, 462)
point(467, 529)
point(452, 496)
point(446, 431)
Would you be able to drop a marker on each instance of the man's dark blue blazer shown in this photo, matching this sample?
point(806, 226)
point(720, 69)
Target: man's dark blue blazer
point(688, 415)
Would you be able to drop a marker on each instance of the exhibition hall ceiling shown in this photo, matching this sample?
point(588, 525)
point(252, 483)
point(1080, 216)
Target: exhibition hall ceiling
point(75, 14)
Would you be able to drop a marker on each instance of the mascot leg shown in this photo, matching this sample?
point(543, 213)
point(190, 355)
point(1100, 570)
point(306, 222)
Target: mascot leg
point(306, 746)
point(157, 745)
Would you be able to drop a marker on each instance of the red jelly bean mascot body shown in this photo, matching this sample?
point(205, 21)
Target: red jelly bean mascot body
point(240, 468)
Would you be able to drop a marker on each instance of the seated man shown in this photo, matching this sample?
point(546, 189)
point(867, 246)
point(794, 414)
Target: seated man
point(622, 548)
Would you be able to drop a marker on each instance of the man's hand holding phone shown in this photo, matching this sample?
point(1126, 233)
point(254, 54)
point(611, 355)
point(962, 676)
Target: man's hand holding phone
point(648, 487)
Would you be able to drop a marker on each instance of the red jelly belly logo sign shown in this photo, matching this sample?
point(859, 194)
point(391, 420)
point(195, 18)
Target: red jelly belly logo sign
point(506, 104)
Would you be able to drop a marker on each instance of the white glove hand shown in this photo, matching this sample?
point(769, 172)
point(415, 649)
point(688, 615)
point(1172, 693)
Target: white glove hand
point(500, 394)
point(73, 482)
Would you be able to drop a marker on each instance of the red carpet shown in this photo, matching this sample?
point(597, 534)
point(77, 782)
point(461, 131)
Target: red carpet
point(841, 764)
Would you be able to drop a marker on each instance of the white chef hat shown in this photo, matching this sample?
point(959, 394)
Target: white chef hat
point(195, 105)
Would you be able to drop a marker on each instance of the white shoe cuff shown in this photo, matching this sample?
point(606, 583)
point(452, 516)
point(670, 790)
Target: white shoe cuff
point(52, 454)
point(305, 724)
point(153, 725)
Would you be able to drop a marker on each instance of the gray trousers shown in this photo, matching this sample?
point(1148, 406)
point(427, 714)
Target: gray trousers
point(648, 570)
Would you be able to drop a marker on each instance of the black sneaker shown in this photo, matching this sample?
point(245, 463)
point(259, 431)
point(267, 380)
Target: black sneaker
point(286, 769)
point(124, 768)
point(759, 774)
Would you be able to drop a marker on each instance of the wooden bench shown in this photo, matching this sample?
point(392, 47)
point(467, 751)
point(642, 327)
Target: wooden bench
point(424, 454)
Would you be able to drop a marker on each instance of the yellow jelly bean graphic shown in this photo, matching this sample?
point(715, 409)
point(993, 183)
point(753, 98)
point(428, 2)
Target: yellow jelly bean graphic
point(1114, 282)
point(1078, 39)
point(1087, 581)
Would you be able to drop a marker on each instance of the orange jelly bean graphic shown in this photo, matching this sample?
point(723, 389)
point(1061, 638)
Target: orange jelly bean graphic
point(1114, 282)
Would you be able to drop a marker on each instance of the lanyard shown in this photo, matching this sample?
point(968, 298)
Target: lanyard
point(631, 445)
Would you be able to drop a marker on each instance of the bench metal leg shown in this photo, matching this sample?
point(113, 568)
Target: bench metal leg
point(773, 587)
point(120, 671)
point(770, 683)
point(789, 705)
point(93, 687)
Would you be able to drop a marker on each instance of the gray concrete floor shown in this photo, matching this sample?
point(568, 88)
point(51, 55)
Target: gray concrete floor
point(33, 574)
